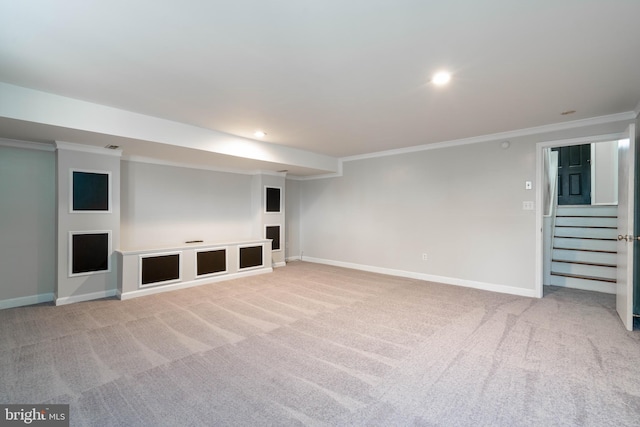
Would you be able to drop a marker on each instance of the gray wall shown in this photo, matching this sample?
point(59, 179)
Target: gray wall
point(462, 206)
point(168, 205)
point(605, 173)
point(27, 223)
point(292, 209)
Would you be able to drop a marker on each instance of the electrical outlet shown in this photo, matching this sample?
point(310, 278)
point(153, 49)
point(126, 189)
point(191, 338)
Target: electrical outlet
point(424, 257)
point(527, 206)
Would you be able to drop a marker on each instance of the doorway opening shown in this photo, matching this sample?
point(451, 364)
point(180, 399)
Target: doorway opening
point(577, 213)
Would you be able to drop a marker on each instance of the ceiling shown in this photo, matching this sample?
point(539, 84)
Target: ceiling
point(337, 78)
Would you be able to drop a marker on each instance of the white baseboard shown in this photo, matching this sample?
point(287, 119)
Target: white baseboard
point(280, 264)
point(85, 297)
point(293, 258)
point(29, 300)
point(492, 287)
point(191, 283)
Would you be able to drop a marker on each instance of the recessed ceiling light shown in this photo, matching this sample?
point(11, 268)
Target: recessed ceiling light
point(441, 78)
point(259, 134)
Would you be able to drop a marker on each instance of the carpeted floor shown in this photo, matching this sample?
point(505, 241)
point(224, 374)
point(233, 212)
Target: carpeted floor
point(317, 345)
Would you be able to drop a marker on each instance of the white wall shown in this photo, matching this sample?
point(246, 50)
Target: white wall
point(167, 205)
point(27, 224)
point(462, 206)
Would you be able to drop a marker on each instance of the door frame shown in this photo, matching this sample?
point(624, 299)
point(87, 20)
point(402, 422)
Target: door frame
point(540, 146)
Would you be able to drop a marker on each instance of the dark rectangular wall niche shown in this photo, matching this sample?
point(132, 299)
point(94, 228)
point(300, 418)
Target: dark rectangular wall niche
point(89, 253)
point(161, 268)
point(209, 262)
point(273, 199)
point(250, 256)
point(273, 233)
point(90, 191)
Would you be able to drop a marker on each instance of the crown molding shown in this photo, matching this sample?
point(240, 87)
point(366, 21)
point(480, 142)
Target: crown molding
point(612, 118)
point(30, 145)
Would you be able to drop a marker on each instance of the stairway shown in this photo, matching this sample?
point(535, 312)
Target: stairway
point(584, 248)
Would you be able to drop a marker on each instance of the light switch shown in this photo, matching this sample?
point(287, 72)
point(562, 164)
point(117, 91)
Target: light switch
point(527, 206)
point(528, 185)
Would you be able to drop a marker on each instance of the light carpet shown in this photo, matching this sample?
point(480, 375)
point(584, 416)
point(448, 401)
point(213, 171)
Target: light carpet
point(311, 344)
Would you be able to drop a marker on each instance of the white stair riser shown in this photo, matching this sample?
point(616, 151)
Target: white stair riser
point(587, 210)
point(596, 245)
point(584, 270)
point(598, 233)
point(588, 221)
point(587, 285)
point(582, 256)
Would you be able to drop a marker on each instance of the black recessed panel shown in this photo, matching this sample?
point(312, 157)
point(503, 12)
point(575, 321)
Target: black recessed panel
point(90, 191)
point(250, 256)
point(89, 253)
point(273, 199)
point(575, 186)
point(211, 262)
point(160, 268)
point(273, 233)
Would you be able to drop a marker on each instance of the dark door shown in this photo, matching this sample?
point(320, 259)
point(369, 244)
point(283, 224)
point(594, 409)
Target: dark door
point(574, 174)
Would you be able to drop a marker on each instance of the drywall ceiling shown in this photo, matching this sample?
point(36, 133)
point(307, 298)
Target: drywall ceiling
point(337, 78)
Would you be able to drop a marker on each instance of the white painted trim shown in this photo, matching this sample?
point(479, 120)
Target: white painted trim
point(429, 277)
point(251, 245)
point(539, 245)
point(70, 252)
point(189, 284)
point(629, 115)
point(109, 190)
point(280, 231)
point(209, 249)
point(154, 255)
point(264, 201)
point(28, 300)
point(86, 297)
point(293, 258)
point(280, 264)
point(30, 145)
point(61, 145)
point(593, 195)
point(252, 242)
